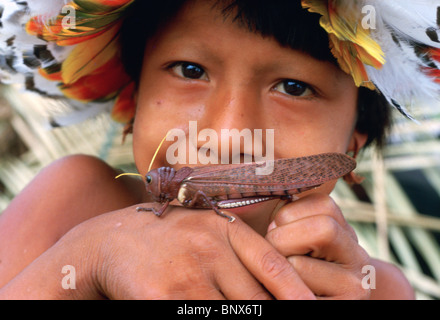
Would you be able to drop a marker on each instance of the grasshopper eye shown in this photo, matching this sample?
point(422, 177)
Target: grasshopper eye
point(149, 179)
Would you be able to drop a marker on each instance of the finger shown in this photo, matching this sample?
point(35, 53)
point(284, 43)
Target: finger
point(318, 236)
point(238, 284)
point(311, 205)
point(266, 264)
point(213, 264)
point(329, 280)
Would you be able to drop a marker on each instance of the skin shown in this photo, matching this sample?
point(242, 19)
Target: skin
point(303, 250)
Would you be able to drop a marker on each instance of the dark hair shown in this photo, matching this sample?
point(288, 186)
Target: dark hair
point(285, 20)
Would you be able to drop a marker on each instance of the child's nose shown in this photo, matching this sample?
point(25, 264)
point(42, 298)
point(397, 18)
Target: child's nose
point(234, 113)
point(234, 107)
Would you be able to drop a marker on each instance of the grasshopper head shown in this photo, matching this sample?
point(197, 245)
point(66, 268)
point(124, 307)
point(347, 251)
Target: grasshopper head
point(157, 182)
point(152, 186)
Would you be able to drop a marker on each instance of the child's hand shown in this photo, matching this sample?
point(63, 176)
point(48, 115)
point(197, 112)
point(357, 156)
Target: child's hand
point(188, 254)
point(322, 247)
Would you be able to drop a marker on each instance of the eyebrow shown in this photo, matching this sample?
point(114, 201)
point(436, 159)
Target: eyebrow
point(300, 70)
point(199, 49)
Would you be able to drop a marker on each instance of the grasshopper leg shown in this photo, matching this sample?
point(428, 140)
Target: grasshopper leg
point(200, 193)
point(158, 213)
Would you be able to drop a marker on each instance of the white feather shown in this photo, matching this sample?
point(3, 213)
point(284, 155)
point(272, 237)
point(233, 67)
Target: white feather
point(46, 8)
point(15, 42)
point(78, 112)
point(49, 87)
point(59, 53)
point(402, 79)
point(409, 18)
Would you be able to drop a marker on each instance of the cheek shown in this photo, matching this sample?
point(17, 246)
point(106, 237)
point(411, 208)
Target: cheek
point(157, 113)
point(319, 126)
point(143, 149)
point(148, 130)
point(321, 134)
point(151, 124)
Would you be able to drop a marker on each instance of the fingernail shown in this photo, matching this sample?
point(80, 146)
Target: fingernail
point(272, 226)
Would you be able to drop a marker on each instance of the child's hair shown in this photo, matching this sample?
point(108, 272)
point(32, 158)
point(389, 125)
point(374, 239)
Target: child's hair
point(285, 20)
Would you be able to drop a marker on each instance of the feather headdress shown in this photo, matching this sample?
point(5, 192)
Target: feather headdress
point(69, 49)
point(389, 45)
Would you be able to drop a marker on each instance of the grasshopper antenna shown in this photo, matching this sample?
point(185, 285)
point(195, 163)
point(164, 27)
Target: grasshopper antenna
point(129, 174)
point(157, 151)
point(152, 160)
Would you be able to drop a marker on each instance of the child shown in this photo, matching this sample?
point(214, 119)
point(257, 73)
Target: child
point(225, 64)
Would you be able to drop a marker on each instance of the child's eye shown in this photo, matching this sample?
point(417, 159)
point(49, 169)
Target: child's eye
point(294, 88)
point(189, 70)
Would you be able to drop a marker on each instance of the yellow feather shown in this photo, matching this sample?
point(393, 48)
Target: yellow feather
point(84, 59)
point(351, 44)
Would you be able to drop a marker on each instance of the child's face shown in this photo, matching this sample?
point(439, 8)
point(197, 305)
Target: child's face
point(205, 68)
